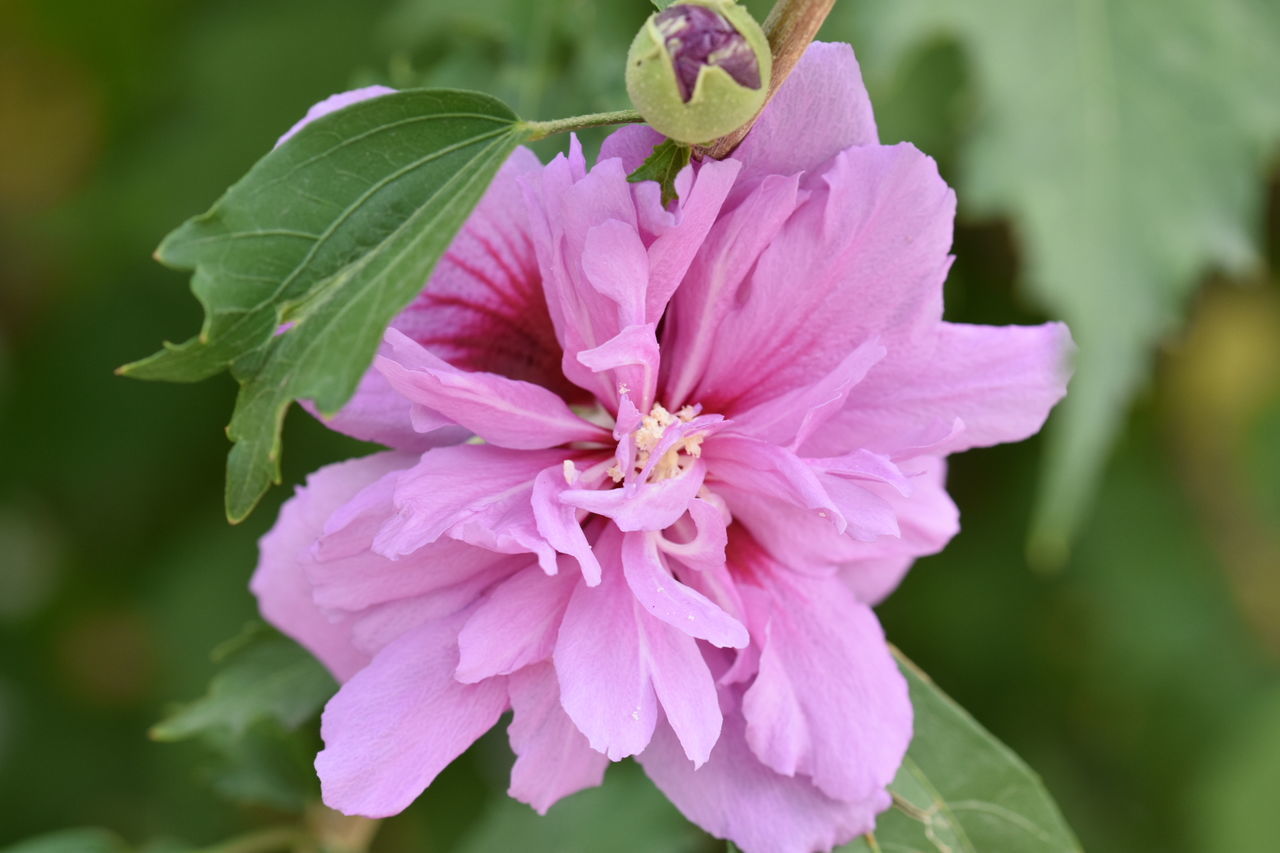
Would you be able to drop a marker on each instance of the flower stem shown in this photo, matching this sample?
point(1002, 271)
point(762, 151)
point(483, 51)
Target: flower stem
point(790, 27)
point(276, 839)
point(543, 129)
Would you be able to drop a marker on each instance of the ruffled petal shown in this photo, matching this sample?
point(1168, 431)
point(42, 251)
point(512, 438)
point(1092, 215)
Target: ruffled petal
point(612, 689)
point(665, 598)
point(553, 759)
point(1000, 381)
point(604, 683)
point(736, 797)
point(280, 582)
point(870, 242)
point(642, 506)
point(502, 411)
point(392, 728)
point(824, 95)
point(477, 493)
point(828, 700)
point(514, 626)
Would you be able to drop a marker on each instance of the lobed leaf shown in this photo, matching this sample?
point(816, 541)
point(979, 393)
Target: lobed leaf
point(1128, 142)
point(266, 677)
point(303, 263)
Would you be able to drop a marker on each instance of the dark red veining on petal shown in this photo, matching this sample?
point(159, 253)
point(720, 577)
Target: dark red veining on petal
point(484, 310)
point(695, 36)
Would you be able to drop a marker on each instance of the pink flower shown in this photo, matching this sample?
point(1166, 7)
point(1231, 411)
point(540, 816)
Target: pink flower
point(711, 437)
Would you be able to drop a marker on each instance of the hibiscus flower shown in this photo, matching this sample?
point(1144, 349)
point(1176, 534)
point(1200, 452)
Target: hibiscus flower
point(649, 470)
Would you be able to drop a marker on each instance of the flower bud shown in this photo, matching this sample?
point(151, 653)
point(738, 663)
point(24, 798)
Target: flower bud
point(698, 70)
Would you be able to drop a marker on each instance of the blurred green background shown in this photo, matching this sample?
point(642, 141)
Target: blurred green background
point(1116, 167)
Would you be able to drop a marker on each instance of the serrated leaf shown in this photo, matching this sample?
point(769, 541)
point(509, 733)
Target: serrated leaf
point(666, 161)
point(962, 791)
point(267, 678)
point(1128, 142)
point(331, 233)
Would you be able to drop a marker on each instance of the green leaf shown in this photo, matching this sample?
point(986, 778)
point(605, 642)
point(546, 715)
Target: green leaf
point(265, 677)
point(666, 161)
point(962, 791)
point(662, 4)
point(333, 233)
point(1128, 143)
point(72, 841)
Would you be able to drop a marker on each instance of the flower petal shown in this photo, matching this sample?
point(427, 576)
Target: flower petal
point(480, 491)
point(553, 759)
point(828, 700)
point(870, 242)
point(736, 797)
point(667, 599)
point(605, 686)
point(644, 506)
point(502, 411)
point(514, 626)
point(1001, 381)
point(285, 595)
point(825, 96)
point(400, 721)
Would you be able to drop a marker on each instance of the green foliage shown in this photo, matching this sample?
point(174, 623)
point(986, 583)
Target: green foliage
point(1126, 141)
point(252, 719)
point(962, 791)
point(332, 233)
point(666, 161)
point(72, 841)
point(265, 677)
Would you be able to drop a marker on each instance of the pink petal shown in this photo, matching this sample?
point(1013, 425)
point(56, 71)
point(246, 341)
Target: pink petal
point(736, 797)
point(483, 309)
point(502, 411)
point(553, 759)
point(828, 700)
point(514, 626)
point(788, 419)
point(611, 690)
point(1001, 381)
point(632, 143)
point(455, 485)
point(705, 548)
point(616, 263)
point(824, 94)
point(870, 244)
point(667, 599)
point(605, 686)
point(280, 581)
point(379, 413)
point(630, 360)
point(558, 523)
point(672, 253)
point(400, 721)
point(331, 104)
point(646, 506)
point(710, 289)
point(927, 519)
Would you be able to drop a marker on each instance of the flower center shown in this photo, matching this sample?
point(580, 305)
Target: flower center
point(662, 448)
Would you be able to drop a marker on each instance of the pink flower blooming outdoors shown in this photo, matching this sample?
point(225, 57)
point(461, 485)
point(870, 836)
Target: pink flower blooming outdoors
point(706, 440)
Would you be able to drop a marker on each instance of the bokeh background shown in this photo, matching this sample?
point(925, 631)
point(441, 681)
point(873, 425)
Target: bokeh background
point(1111, 609)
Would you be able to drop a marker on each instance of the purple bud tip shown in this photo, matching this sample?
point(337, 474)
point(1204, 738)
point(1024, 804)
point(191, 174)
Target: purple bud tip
point(696, 36)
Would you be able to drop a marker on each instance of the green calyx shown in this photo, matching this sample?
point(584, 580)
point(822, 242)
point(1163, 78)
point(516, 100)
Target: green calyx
point(719, 104)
